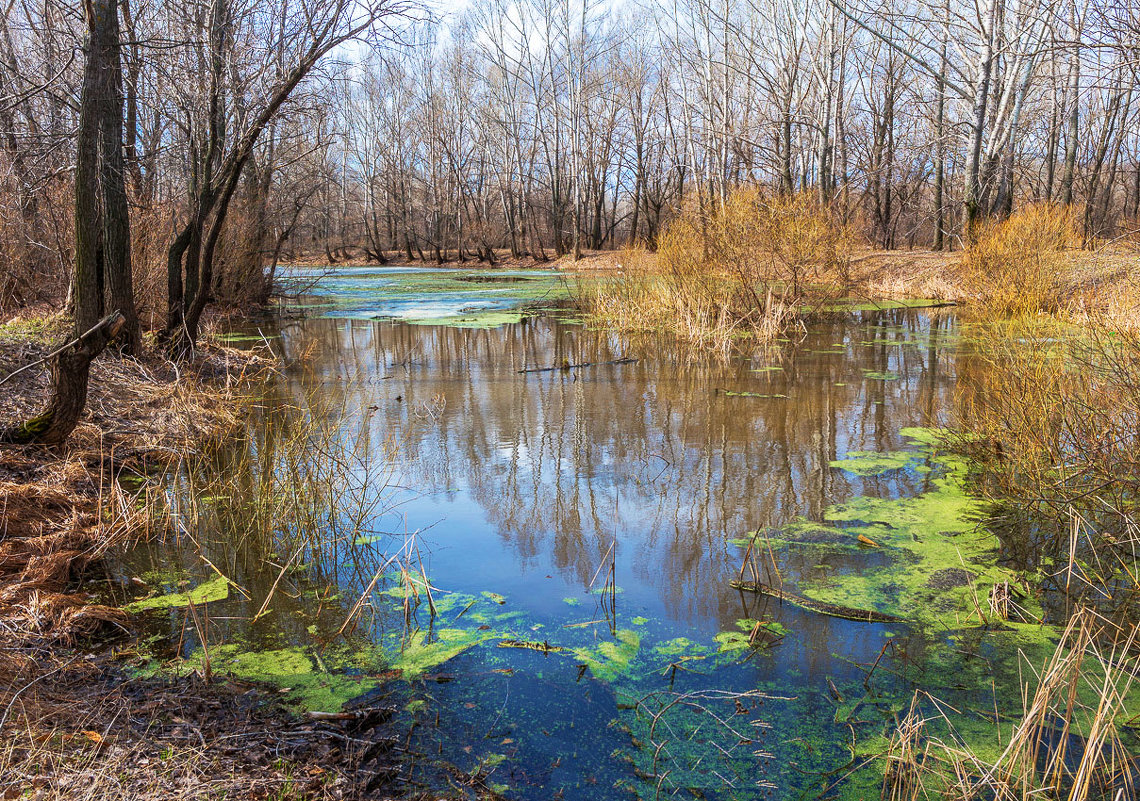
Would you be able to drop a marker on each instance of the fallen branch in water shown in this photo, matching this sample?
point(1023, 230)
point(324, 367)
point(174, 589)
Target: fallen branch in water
point(543, 647)
point(834, 610)
point(568, 366)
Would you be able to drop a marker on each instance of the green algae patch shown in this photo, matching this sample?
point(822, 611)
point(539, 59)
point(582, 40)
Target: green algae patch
point(874, 463)
point(677, 646)
point(750, 634)
point(881, 375)
point(611, 659)
point(483, 319)
point(571, 602)
point(729, 394)
point(931, 563)
point(217, 589)
point(302, 676)
point(241, 339)
point(419, 654)
point(860, 305)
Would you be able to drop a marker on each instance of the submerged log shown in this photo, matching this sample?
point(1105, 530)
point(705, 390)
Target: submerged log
point(567, 366)
point(542, 647)
point(834, 610)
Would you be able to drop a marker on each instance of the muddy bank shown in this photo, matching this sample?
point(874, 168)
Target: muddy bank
point(83, 728)
point(73, 718)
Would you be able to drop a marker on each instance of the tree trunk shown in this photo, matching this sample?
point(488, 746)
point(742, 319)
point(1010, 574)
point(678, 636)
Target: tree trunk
point(70, 369)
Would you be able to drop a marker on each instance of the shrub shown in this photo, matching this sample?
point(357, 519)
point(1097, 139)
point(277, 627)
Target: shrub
point(1015, 267)
point(743, 270)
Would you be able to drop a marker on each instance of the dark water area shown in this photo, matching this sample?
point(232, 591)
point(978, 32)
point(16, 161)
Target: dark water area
point(599, 513)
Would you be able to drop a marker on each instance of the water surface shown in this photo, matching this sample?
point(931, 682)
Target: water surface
point(603, 510)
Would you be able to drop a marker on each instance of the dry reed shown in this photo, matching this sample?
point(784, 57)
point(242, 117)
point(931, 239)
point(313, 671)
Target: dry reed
point(743, 271)
point(1067, 743)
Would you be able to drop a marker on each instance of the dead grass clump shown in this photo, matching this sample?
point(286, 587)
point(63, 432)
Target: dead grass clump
point(742, 271)
point(1067, 744)
point(907, 275)
point(1016, 266)
point(61, 510)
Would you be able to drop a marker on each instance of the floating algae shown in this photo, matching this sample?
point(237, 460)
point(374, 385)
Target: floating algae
point(751, 634)
point(217, 589)
point(422, 652)
point(874, 463)
point(432, 296)
point(920, 538)
point(611, 659)
point(304, 677)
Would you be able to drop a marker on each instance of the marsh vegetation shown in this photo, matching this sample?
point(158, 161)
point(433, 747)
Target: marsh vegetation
point(589, 401)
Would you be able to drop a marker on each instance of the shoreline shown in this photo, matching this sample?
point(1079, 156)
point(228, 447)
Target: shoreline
point(73, 719)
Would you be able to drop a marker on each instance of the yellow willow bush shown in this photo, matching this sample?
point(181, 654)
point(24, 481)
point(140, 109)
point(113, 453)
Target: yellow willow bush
point(1051, 416)
point(743, 270)
point(1015, 267)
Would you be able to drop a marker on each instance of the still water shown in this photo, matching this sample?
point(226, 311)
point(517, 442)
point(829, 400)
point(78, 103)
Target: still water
point(579, 527)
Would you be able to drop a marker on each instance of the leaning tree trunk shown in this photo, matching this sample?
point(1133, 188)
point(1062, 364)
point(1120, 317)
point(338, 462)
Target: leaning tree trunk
point(70, 369)
point(102, 236)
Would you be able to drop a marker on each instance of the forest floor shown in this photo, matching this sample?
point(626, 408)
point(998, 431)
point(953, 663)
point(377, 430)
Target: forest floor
point(72, 723)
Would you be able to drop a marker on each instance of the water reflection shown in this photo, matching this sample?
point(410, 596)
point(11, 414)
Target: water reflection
point(654, 454)
point(521, 482)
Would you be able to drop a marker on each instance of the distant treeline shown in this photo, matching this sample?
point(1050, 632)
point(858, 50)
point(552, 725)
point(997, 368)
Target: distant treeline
point(544, 128)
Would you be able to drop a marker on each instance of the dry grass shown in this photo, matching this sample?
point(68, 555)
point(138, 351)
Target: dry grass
point(1067, 743)
point(906, 275)
point(740, 272)
point(76, 729)
point(62, 508)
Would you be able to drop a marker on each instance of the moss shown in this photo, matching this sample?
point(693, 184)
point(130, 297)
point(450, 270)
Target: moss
point(217, 589)
point(44, 330)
